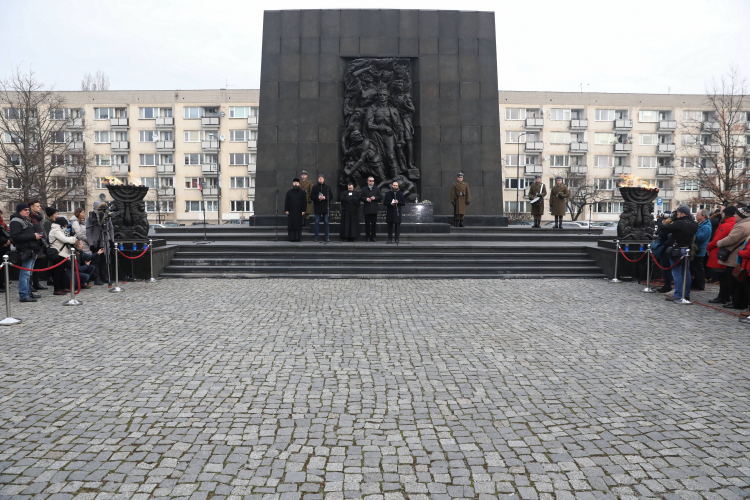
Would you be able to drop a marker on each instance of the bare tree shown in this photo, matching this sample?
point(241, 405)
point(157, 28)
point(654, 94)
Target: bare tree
point(95, 83)
point(42, 151)
point(717, 158)
point(583, 190)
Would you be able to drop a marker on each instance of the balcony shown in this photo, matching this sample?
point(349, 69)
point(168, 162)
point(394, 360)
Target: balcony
point(710, 126)
point(713, 149)
point(120, 145)
point(75, 146)
point(165, 192)
point(76, 123)
point(534, 146)
point(119, 169)
point(579, 169)
point(166, 169)
point(665, 171)
point(252, 121)
point(705, 193)
point(210, 146)
point(251, 191)
point(119, 122)
point(251, 168)
point(666, 193)
point(210, 168)
point(623, 170)
point(579, 147)
point(666, 149)
point(210, 192)
point(624, 124)
point(623, 149)
point(579, 124)
point(667, 125)
point(533, 169)
point(74, 169)
point(211, 122)
point(165, 146)
point(165, 122)
point(534, 123)
point(252, 144)
point(77, 192)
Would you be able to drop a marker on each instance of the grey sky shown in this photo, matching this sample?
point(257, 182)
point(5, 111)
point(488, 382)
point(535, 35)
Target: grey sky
point(651, 46)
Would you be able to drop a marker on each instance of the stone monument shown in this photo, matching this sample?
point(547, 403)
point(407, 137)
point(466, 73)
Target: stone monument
point(637, 217)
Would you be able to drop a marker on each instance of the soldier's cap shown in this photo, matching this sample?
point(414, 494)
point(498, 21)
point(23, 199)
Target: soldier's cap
point(304, 172)
point(558, 178)
point(460, 174)
point(537, 176)
point(295, 180)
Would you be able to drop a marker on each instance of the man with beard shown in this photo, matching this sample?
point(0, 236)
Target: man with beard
point(306, 185)
point(295, 205)
point(371, 196)
point(393, 200)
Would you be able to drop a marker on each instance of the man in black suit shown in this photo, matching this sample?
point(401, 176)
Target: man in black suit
point(321, 197)
point(371, 196)
point(393, 200)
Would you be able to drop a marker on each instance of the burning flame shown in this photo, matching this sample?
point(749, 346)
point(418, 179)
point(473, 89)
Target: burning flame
point(135, 181)
point(113, 181)
point(628, 180)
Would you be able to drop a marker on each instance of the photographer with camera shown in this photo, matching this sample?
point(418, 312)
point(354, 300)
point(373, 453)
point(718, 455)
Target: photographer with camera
point(681, 236)
point(38, 218)
point(60, 241)
point(26, 240)
point(86, 268)
point(100, 234)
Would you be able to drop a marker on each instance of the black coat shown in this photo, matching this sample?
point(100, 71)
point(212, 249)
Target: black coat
point(681, 231)
point(349, 214)
point(295, 203)
point(371, 207)
point(321, 206)
point(393, 212)
point(23, 234)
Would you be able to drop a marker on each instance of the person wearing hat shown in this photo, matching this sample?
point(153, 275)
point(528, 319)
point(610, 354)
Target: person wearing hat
point(26, 240)
point(321, 196)
point(460, 198)
point(558, 197)
point(537, 192)
point(306, 185)
point(734, 242)
point(295, 205)
point(52, 214)
point(681, 236)
point(100, 233)
point(60, 242)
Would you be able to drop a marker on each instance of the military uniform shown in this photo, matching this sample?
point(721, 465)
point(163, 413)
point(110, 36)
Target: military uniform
point(537, 189)
point(460, 197)
point(557, 198)
point(306, 185)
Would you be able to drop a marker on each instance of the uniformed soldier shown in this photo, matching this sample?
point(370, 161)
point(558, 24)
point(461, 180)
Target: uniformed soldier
point(537, 192)
point(306, 185)
point(557, 199)
point(460, 197)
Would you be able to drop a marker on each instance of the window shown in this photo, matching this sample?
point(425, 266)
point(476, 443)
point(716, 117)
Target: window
point(165, 112)
point(253, 135)
point(12, 183)
point(197, 206)
point(238, 135)
point(608, 207)
point(510, 160)
point(692, 116)
point(605, 115)
point(104, 113)
point(241, 206)
point(57, 114)
point(165, 135)
point(690, 140)
point(239, 159)
point(512, 136)
point(690, 162)
point(148, 113)
point(13, 113)
point(559, 161)
point(149, 160)
point(151, 182)
point(647, 162)
point(512, 182)
point(163, 206)
point(166, 181)
point(515, 114)
point(104, 160)
point(688, 184)
point(166, 159)
point(239, 182)
point(648, 139)
point(192, 136)
point(737, 140)
point(559, 114)
point(510, 207)
point(252, 161)
point(559, 137)
point(193, 182)
point(58, 160)
point(604, 138)
point(211, 159)
point(192, 159)
point(192, 206)
point(192, 113)
point(101, 136)
point(12, 138)
point(605, 184)
point(210, 135)
point(239, 111)
point(58, 136)
point(147, 136)
point(622, 114)
point(646, 116)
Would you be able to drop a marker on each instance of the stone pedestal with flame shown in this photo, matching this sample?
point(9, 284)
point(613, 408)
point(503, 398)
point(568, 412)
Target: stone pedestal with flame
point(129, 215)
point(637, 217)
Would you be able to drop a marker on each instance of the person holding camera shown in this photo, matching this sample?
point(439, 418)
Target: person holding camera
point(60, 241)
point(681, 236)
point(100, 233)
point(729, 247)
point(26, 240)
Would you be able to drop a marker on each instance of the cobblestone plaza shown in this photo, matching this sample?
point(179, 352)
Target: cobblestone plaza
point(313, 389)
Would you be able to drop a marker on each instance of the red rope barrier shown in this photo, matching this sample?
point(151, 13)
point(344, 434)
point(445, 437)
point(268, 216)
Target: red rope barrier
point(626, 257)
point(666, 268)
point(136, 257)
point(40, 270)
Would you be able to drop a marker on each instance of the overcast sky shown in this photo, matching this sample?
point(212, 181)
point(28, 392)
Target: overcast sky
point(653, 46)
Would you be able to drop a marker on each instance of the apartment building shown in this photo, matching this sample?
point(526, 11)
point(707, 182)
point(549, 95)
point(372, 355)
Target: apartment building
point(605, 136)
point(173, 141)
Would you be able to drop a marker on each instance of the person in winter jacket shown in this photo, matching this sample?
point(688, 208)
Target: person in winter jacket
point(100, 233)
point(744, 257)
point(38, 219)
point(60, 242)
point(661, 255)
point(720, 270)
point(26, 241)
point(702, 237)
point(681, 234)
point(79, 228)
point(734, 241)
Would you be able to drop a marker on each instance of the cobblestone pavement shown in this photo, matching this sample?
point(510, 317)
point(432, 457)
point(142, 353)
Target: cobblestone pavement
point(313, 389)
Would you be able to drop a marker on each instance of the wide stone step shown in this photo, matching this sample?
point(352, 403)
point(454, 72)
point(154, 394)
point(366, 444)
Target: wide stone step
point(593, 274)
point(396, 268)
point(198, 261)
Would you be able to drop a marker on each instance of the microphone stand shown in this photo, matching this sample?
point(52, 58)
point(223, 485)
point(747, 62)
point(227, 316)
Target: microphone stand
point(276, 219)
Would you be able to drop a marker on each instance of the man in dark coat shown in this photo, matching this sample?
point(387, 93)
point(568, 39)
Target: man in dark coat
point(100, 233)
point(460, 197)
point(681, 235)
point(26, 240)
point(321, 196)
point(295, 205)
point(537, 190)
point(557, 199)
point(393, 200)
point(306, 185)
point(42, 225)
point(350, 214)
point(371, 197)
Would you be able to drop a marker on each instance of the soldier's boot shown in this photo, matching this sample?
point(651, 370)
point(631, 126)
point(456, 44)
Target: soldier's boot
point(460, 221)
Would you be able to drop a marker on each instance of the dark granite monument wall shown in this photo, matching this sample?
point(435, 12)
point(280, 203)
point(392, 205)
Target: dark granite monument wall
point(454, 67)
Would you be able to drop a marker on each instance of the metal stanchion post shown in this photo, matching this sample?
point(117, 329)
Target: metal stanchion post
point(9, 319)
point(117, 288)
point(73, 301)
point(617, 251)
point(685, 265)
point(648, 288)
point(151, 257)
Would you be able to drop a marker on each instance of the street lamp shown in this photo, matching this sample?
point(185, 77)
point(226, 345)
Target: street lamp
point(518, 171)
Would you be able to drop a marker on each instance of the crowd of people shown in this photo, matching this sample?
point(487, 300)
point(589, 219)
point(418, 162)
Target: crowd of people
point(38, 239)
point(719, 252)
